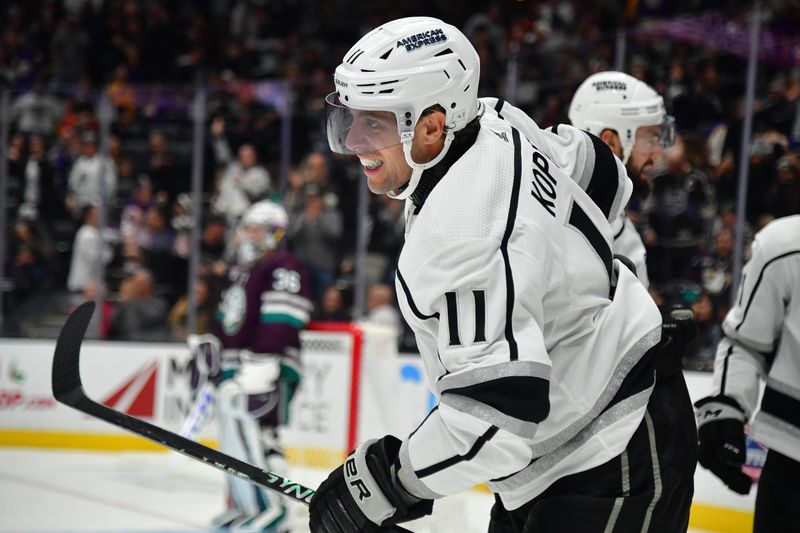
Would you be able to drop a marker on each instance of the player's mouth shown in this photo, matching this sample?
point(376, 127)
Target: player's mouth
point(371, 166)
point(647, 169)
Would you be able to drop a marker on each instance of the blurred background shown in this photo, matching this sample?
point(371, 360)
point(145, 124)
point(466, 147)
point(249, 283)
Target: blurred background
point(136, 132)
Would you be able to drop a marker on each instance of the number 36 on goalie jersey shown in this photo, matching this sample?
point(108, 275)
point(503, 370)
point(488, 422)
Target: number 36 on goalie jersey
point(266, 305)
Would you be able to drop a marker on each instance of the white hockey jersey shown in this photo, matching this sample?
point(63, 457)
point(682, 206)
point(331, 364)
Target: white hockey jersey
point(531, 334)
point(762, 339)
point(577, 153)
point(628, 242)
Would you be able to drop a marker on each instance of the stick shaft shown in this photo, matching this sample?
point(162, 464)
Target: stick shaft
point(68, 389)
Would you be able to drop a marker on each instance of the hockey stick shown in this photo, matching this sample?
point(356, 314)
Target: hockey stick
point(68, 389)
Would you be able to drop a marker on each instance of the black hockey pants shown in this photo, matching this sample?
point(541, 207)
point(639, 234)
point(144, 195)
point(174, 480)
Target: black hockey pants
point(646, 489)
point(778, 494)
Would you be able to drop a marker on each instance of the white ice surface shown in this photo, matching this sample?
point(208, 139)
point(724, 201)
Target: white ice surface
point(78, 492)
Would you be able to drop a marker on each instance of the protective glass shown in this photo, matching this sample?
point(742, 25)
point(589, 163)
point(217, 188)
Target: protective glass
point(651, 138)
point(356, 131)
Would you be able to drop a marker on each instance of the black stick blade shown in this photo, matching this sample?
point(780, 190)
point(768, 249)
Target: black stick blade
point(66, 377)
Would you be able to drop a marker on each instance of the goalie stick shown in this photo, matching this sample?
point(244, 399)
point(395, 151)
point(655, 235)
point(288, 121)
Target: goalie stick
point(68, 389)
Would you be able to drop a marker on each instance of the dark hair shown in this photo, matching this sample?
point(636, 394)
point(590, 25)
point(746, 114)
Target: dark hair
point(86, 210)
point(433, 109)
point(469, 131)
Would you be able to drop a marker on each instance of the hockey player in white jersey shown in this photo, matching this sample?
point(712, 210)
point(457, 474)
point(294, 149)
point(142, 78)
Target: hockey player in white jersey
point(761, 344)
point(629, 116)
point(540, 347)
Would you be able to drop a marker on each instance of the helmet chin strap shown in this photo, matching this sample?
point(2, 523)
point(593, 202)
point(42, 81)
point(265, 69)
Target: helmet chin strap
point(418, 168)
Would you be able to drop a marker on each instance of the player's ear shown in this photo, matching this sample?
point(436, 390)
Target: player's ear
point(430, 128)
point(611, 138)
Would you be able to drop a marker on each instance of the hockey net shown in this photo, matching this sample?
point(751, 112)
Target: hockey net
point(349, 393)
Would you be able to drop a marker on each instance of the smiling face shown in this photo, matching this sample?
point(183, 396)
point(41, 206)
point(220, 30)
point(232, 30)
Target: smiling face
point(373, 137)
point(387, 170)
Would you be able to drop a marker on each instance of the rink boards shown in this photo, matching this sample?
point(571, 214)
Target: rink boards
point(150, 381)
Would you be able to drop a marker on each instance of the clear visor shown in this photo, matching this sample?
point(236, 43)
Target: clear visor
point(653, 138)
point(356, 131)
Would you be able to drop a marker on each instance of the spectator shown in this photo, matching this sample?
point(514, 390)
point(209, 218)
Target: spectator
point(68, 50)
point(16, 155)
point(36, 112)
point(88, 251)
point(100, 325)
point(213, 243)
point(132, 218)
point(783, 197)
point(92, 179)
point(314, 236)
point(677, 210)
point(716, 268)
point(251, 121)
point(701, 350)
point(79, 110)
point(243, 181)
point(332, 309)
point(293, 196)
point(386, 234)
point(29, 271)
point(66, 149)
point(139, 315)
point(41, 200)
point(124, 165)
point(168, 179)
point(156, 245)
point(182, 224)
point(382, 310)
point(206, 297)
point(315, 170)
point(765, 151)
point(122, 94)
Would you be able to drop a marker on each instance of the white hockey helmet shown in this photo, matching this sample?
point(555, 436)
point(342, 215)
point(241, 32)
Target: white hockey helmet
point(393, 74)
point(620, 102)
point(271, 219)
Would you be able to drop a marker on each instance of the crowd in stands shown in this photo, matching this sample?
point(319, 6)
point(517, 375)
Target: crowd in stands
point(77, 208)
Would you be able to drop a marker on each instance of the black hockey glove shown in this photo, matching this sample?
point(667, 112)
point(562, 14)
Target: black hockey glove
point(365, 493)
point(678, 329)
point(720, 430)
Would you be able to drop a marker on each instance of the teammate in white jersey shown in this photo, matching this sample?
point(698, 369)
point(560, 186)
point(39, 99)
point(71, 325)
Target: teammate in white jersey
point(761, 343)
point(540, 347)
point(629, 116)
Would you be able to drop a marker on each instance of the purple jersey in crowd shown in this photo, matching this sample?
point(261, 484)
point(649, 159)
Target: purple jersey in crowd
point(266, 305)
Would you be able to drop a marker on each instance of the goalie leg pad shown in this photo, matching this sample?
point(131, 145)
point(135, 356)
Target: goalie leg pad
point(247, 433)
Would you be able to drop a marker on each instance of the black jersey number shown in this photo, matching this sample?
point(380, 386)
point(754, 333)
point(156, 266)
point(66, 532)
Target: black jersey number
point(479, 296)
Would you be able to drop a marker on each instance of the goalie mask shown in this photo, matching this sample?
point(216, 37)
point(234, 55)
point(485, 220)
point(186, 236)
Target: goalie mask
point(261, 230)
point(393, 74)
point(620, 102)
